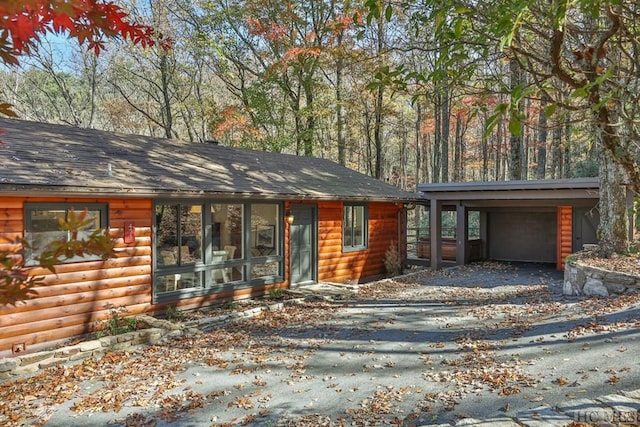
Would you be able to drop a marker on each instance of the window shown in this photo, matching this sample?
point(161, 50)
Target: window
point(178, 244)
point(354, 227)
point(43, 226)
point(201, 248)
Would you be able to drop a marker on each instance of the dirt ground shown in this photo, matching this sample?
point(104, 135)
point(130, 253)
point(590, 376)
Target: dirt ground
point(480, 341)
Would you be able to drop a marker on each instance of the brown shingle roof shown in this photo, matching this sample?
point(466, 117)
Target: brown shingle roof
point(47, 159)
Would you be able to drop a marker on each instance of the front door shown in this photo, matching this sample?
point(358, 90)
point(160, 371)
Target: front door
point(302, 244)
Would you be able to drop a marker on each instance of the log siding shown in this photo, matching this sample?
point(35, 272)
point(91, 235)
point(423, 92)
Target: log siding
point(336, 265)
point(80, 294)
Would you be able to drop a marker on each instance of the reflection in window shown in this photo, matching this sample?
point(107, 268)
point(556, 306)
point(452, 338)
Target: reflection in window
point(226, 233)
point(264, 230)
point(265, 269)
point(177, 281)
point(178, 243)
point(211, 245)
point(43, 226)
point(179, 235)
point(354, 227)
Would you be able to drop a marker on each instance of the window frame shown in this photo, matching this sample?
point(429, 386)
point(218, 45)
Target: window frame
point(29, 207)
point(205, 267)
point(365, 227)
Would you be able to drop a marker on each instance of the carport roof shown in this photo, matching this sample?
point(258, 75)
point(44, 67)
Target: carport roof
point(548, 189)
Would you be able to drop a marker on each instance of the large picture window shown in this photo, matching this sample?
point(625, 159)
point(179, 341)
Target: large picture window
point(354, 227)
point(42, 226)
point(178, 244)
point(200, 248)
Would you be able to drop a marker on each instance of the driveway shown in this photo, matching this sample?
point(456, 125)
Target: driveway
point(490, 341)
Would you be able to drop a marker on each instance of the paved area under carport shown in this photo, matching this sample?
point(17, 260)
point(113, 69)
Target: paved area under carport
point(486, 344)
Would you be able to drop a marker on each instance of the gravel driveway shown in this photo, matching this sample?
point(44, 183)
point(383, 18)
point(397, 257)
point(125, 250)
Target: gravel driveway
point(486, 341)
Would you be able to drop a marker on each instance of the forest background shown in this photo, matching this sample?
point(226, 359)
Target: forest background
point(407, 92)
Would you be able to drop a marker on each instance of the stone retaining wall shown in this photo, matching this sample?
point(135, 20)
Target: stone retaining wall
point(155, 330)
point(583, 279)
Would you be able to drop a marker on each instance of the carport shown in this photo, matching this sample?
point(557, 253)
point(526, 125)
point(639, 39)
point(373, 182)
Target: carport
point(532, 221)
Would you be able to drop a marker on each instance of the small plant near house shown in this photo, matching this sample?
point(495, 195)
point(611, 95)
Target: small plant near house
point(275, 294)
point(232, 305)
point(174, 314)
point(392, 261)
point(117, 324)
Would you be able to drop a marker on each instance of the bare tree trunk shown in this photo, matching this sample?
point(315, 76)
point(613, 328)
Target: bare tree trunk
point(404, 141)
point(167, 112)
point(310, 127)
point(542, 139)
point(418, 136)
point(457, 151)
point(484, 141)
point(445, 122)
point(499, 138)
point(613, 227)
point(566, 169)
point(556, 153)
point(515, 151)
point(377, 132)
point(339, 118)
point(437, 141)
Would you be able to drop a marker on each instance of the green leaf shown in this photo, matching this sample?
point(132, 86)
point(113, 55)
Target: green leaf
point(515, 126)
point(581, 92)
point(388, 13)
point(458, 29)
point(550, 110)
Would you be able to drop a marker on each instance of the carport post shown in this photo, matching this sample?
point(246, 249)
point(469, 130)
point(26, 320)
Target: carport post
point(435, 233)
point(462, 234)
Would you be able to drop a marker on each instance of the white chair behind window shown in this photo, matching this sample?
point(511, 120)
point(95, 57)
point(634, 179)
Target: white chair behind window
point(220, 273)
point(231, 253)
point(170, 281)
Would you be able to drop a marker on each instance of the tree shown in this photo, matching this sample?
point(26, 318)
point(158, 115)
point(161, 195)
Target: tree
point(589, 48)
point(22, 24)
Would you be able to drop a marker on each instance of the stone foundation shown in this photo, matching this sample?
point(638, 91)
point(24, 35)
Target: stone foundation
point(583, 279)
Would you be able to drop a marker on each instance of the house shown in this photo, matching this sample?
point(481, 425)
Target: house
point(539, 221)
point(193, 224)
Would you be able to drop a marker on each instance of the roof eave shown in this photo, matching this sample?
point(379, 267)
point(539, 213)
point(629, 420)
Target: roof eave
point(132, 192)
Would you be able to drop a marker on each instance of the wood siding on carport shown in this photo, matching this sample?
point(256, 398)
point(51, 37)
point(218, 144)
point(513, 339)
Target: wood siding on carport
point(80, 294)
point(334, 265)
point(565, 235)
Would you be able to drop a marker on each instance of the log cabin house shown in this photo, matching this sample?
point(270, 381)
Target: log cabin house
point(193, 224)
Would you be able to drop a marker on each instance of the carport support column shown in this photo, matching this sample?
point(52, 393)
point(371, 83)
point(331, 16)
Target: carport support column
point(462, 234)
point(435, 233)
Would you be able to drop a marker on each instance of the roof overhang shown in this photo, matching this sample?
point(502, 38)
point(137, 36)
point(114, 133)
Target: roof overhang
point(509, 193)
point(39, 190)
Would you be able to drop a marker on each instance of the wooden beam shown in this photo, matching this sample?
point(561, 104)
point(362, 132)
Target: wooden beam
point(462, 234)
point(435, 234)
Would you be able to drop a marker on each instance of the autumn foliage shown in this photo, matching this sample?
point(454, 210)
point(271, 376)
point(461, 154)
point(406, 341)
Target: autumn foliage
point(23, 22)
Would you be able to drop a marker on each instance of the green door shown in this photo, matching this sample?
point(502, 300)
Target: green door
point(302, 244)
